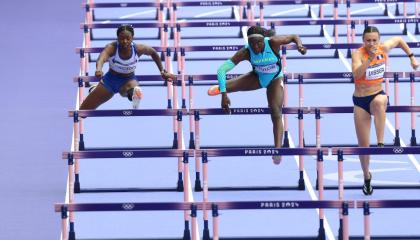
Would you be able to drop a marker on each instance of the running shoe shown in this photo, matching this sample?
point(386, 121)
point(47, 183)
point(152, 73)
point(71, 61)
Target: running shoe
point(137, 96)
point(367, 188)
point(277, 159)
point(213, 90)
point(92, 87)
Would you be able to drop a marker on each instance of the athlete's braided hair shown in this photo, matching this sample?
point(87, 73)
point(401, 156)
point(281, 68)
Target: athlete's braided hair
point(260, 30)
point(125, 27)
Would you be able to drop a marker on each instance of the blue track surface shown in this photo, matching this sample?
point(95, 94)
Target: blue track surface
point(239, 130)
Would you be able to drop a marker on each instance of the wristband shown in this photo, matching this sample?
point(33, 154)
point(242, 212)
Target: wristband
point(410, 55)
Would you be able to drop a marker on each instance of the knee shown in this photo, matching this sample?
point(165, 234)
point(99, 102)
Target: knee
point(84, 106)
point(87, 106)
point(276, 111)
point(378, 107)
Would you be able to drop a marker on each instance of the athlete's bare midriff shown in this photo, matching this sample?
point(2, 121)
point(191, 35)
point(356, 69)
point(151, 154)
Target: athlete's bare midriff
point(362, 89)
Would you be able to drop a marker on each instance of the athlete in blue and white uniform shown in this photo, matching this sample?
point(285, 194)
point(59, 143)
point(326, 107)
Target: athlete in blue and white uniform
point(122, 56)
point(263, 52)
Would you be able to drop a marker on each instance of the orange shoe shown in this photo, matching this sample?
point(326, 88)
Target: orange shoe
point(213, 90)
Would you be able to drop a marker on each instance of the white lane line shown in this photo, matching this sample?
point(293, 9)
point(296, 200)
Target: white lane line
point(288, 11)
point(137, 14)
point(312, 194)
point(212, 12)
point(356, 176)
point(366, 9)
point(131, 15)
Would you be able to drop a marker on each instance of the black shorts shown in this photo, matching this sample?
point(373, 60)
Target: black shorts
point(364, 102)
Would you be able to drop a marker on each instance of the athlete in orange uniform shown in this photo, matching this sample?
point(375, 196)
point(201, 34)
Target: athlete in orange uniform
point(368, 67)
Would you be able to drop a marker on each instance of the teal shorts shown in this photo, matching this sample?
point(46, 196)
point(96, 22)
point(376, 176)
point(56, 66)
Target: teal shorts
point(266, 79)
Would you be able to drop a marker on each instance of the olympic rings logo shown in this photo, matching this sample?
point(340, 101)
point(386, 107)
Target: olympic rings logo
point(326, 45)
point(298, 1)
point(312, 22)
point(128, 206)
point(398, 150)
point(127, 154)
point(127, 113)
point(347, 75)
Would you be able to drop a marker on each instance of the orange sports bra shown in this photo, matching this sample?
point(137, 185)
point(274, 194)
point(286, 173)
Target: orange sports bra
point(376, 69)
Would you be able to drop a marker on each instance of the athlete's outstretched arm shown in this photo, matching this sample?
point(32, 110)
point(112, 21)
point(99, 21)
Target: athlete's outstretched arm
point(398, 41)
point(277, 41)
point(149, 51)
point(228, 65)
point(103, 57)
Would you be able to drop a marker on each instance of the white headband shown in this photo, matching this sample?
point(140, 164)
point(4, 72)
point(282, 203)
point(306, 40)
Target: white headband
point(255, 35)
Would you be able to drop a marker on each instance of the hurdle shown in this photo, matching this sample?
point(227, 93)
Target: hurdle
point(238, 3)
point(395, 75)
point(158, 5)
point(367, 205)
point(70, 234)
point(192, 208)
point(76, 115)
point(300, 111)
point(344, 207)
point(240, 111)
point(331, 2)
point(340, 152)
point(128, 153)
point(231, 48)
point(247, 152)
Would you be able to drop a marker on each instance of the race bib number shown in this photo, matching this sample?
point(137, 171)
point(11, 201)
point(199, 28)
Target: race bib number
point(272, 68)
point(375, 71)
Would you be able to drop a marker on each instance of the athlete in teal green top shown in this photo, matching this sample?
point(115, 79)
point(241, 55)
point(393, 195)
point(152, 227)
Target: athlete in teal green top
point(263, 52)
point(266, 64)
